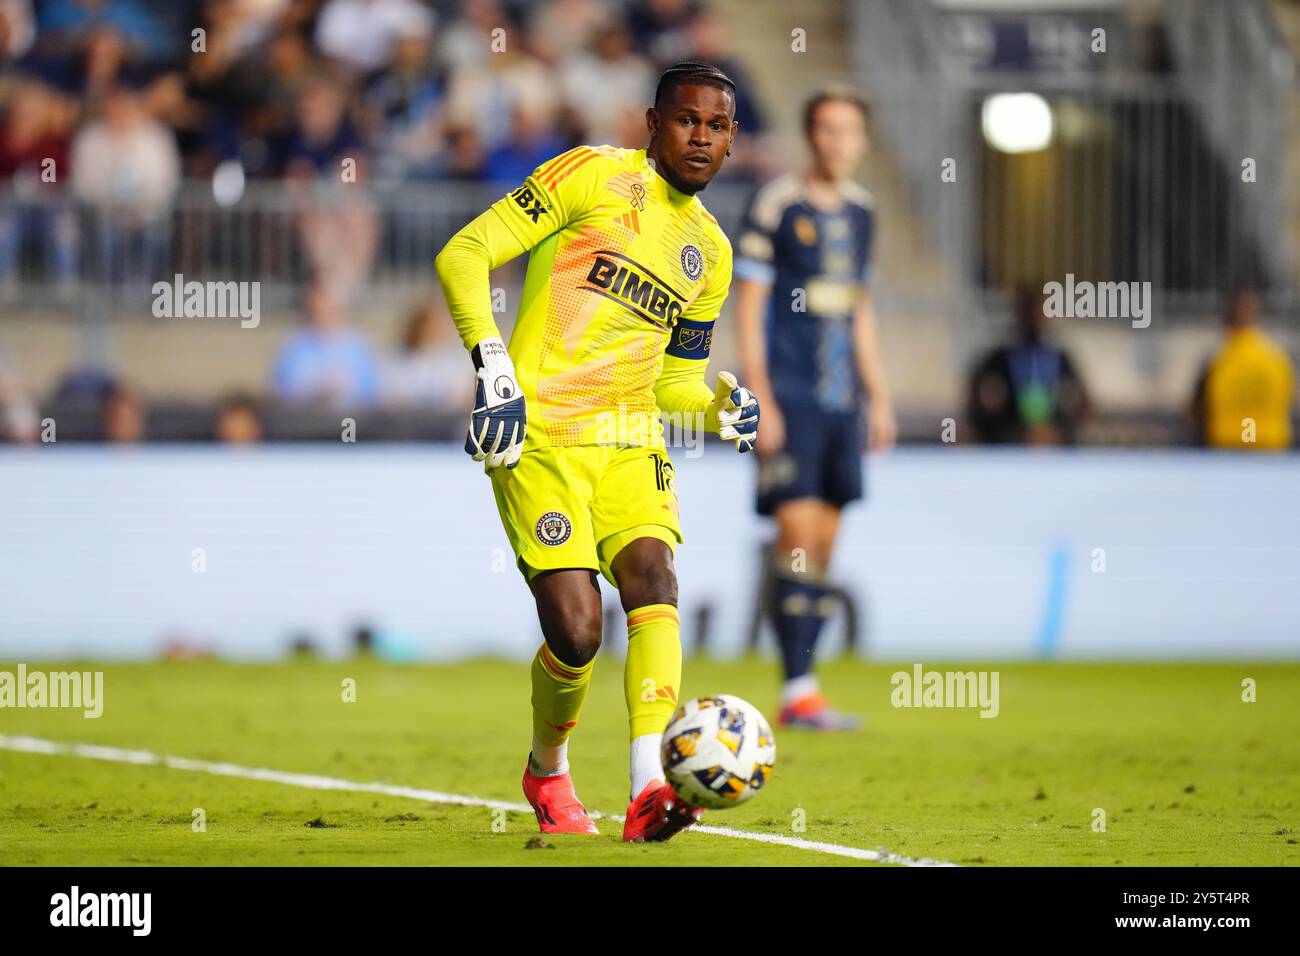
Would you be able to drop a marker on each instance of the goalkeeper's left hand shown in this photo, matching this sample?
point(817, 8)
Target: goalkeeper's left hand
point(735, 411)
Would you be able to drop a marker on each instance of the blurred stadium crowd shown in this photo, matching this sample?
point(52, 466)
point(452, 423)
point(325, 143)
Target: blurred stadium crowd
point(118, 102)
point(478, 90)
point(112, 106)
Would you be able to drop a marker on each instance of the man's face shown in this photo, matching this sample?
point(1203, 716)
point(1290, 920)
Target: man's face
point(839, 137)
point(690, 136)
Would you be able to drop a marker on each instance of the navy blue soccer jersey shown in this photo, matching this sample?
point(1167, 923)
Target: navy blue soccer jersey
point(817, 263)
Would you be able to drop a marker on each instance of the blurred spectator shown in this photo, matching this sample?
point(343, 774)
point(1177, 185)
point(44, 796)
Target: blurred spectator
point(326, 165)
point(464, 156)
point(326, 362)
point(17, 29)
point(609, 89)
point(1028, 392)
point(1244, 395)
point(242, 26)
point(487, 98)
point(34, 143)
point(662, 27)
point(404, 108)
point(533, 141)
point(431, 368)
point(710, 42)
point(19, 416)
point(127, 167)
point(227, 79)
point(323, 136)
point(68, 21)
point(94, 45)
point(276, 81)
point(84, 386)
point(468, 40)
point(121, 416)
point(362, 34)
point(238, 421)
point(564, 29)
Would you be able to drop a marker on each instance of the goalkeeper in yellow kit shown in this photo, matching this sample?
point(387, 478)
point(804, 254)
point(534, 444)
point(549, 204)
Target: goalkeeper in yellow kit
point(626, 276)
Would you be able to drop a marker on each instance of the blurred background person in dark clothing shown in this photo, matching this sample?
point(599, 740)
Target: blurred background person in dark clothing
point(1027, 392)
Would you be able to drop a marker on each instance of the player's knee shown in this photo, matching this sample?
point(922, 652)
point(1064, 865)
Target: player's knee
point(574, 635)
point(645, 574)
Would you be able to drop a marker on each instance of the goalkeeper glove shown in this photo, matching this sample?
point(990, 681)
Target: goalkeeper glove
point(496, 426)
point(735, 411)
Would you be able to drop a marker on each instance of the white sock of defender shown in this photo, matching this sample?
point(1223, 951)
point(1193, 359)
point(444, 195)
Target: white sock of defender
point(549, 761)
point(646, 763)
point(798, 688)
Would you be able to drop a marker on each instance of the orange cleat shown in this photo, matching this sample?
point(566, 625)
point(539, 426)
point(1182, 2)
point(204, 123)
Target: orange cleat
point(814, 713)
point(657, 814)
point(556, 805)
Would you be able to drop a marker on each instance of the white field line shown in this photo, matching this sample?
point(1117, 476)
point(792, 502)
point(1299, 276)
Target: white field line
point(35, 745)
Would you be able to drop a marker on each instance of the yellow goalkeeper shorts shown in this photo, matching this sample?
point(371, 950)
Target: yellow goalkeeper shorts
point(579, 506)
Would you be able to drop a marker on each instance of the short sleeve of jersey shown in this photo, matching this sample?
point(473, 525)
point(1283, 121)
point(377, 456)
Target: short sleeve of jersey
point(708, 303)
point(557, 193)
point(692, 337)
point(867, 224)
point(756, 252)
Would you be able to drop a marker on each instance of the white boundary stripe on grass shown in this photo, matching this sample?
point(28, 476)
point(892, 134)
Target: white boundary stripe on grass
point(36, 745)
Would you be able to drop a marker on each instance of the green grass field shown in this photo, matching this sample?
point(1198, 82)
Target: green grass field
point(1186, 772)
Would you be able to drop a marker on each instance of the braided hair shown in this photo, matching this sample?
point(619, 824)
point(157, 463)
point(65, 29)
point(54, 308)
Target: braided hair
point(692, 73)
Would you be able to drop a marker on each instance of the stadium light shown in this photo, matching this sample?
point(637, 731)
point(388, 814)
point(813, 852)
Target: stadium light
point(1017, 122)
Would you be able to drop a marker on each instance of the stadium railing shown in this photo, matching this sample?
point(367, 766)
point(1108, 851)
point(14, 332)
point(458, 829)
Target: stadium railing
point(59, 253)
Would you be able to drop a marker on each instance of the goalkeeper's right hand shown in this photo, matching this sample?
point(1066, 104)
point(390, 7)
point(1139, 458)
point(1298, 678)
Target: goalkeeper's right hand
point(496, 426)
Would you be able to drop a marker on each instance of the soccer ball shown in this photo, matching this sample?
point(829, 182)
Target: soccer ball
point(718, 751)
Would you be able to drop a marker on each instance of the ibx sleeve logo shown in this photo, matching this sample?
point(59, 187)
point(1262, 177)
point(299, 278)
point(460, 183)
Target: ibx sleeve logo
point(529, 202)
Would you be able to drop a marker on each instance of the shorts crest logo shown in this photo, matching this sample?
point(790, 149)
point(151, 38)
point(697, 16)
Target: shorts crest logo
point(692, 262)
point(553, 529)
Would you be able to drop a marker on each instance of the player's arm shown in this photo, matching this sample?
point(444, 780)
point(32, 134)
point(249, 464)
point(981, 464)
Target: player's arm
point(557, 193)
point(727, 409)
point(754, 275)
point(752, 298)
point(882, 426)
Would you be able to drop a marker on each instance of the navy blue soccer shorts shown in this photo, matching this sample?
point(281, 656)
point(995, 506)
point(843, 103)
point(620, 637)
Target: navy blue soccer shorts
point(822, 458)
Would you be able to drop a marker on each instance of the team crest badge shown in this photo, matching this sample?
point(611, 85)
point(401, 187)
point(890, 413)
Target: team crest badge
point(692, 262)
point(553, 529)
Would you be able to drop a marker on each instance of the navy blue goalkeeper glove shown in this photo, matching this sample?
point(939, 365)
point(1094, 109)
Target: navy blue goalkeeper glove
point(496, 426)
point(735, 409)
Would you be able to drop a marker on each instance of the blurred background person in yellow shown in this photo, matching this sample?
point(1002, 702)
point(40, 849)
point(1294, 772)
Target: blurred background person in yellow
point(1245, 392)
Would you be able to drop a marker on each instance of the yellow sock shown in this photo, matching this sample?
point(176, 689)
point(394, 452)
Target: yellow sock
point(653, 672)
point(558, 693)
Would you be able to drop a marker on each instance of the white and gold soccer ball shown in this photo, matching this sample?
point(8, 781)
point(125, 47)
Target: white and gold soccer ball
point(718, 751)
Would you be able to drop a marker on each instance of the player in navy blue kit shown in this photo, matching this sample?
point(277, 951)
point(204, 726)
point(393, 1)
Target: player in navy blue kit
point(811, 355)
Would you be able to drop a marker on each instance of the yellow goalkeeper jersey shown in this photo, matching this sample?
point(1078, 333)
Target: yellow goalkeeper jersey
point(625, 279)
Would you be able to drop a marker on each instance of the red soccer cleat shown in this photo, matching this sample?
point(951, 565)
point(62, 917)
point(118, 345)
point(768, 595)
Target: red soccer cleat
point(556, 805)
point(657, 814)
